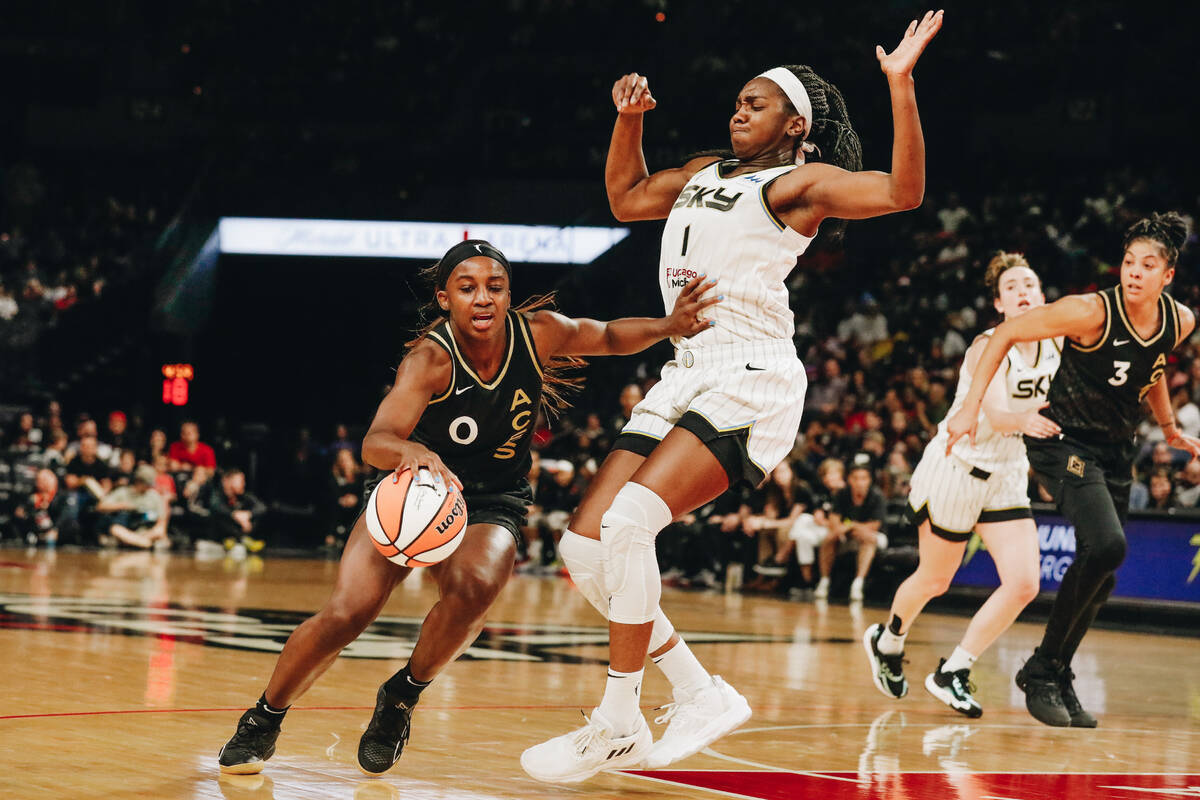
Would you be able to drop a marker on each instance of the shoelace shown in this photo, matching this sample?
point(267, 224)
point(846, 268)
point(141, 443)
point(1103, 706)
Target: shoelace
point(586, 735)
point(669, 709)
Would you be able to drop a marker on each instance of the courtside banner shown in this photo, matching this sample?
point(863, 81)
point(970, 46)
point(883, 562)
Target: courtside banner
point(1163, 560)
point(576, 244)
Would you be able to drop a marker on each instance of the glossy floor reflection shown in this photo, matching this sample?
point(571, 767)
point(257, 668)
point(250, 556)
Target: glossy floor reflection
point(124, 673)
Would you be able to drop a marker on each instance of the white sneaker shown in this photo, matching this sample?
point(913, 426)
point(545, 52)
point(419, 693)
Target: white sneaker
point(697, 721)
point(856, 592)
point(580, 754)
point(822, 590)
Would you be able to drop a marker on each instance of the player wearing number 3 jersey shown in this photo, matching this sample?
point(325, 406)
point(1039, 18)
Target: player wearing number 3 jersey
point(1115, 357)
point(463, 406)
point(728, 406)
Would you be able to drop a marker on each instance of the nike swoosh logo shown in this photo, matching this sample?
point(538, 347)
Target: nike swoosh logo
point(755, 369)
point(460, 391)
point(1119, 342)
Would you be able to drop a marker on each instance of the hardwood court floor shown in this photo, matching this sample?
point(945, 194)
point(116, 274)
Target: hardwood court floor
point(122, 674)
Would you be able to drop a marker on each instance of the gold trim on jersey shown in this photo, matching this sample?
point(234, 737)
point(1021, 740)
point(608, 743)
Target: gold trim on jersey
point(766, 206)
point(1162, 328)
point(453, 371)
point(528, 334)
point(1107, 327)
point(507, 358)
point(1175, 317)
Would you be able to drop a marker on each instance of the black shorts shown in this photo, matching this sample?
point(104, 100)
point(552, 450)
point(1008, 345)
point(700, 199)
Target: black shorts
point(506, 508)
point(730, 448)
point(1059, 463)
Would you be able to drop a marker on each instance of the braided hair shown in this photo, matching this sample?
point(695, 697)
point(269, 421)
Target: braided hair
point(559, 377)
point(1167, 229)
point(829, 129)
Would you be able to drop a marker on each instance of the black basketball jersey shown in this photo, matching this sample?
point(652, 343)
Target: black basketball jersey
point(482, 430)
point(1097, 393)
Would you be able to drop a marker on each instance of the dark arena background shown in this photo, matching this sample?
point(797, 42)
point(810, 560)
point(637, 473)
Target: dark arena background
point(213, 219)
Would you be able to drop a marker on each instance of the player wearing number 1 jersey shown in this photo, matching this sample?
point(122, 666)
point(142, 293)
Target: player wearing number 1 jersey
point(979, 486)
point(728, 406)
point(1115, 357)
point(463, 406)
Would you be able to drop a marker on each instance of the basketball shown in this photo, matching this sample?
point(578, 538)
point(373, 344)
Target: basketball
point(415, 521)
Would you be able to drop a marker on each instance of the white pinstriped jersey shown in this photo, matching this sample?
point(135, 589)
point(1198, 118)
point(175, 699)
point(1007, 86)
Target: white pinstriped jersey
point(723, 227)
point(1027, 386)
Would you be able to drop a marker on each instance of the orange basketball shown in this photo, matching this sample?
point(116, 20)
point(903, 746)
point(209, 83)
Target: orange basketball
point(415, 521)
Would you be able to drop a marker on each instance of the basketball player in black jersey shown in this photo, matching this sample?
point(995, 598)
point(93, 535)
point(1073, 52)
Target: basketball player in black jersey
point(1115, 357)
point(463, 405)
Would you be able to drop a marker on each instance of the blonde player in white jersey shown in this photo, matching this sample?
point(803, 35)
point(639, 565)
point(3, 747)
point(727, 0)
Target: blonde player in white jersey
point(728, 406)
point(980, 486)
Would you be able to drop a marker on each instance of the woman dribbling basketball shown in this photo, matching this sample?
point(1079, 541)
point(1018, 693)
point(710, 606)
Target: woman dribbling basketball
point(463, 406)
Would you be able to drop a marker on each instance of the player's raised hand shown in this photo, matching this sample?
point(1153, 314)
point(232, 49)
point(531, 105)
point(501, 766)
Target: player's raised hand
point(902, 60)
point(631, 94)
point(963, 423)
point(1039, 427)
point(687, 318)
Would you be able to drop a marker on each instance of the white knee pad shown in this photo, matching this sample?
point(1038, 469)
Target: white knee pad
point(584, 558)
point(627, 531)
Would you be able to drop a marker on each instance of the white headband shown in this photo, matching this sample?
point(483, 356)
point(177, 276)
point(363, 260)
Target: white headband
point(794, 90)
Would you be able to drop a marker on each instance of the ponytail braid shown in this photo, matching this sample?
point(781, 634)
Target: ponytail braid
point(1168, 230)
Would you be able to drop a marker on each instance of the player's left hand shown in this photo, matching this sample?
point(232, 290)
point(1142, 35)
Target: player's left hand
point(960, 425)
point(900, 62)
point(1181, 441)
point(687, 318)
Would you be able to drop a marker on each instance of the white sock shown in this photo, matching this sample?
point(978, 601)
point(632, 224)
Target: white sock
point(892, 643)
point(681, 667)
point(620, 704)
point(959, 659)
point(856, 582)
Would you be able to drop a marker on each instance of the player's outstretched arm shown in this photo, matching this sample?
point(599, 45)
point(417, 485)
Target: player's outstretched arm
point(1074, 316)
point(995, 402)
point(558, 335)
point(633, 193)
point(825, 190)
point(425, 372)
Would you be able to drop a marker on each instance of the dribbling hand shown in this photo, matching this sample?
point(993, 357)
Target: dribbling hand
point(631, 94)
point(418, 455)
point(687, 318)
point(963, 423)
point(901, 61)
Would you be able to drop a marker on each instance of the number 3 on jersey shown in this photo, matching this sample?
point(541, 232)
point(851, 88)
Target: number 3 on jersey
point(1122, 373)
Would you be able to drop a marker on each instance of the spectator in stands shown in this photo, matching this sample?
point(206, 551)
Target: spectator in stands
point(826, 395)
point(118, 434)
point(1187, 493)
point(26, 436)
point(189, 452)
point(86, 428)
point(556, 498)
point(346, 490)
point(1186, 411)
point(1162, 490)
point(123, 473)
point(234, 512)
point(784, 500)
point(631, 395)
point(858, 519)
point(44, 515)
point(54, 457)
point(156, 445)
point(87, 473)
point(136, 515)
point(163, 482)
point(342, 440)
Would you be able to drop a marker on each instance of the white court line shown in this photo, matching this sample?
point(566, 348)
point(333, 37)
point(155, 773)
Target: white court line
point(708, 751)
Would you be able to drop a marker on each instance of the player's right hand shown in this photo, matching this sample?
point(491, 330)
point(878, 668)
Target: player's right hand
point(687, 317)
point(416, 455)
point(1039, 427)
point(631, 94)
point(960, 425)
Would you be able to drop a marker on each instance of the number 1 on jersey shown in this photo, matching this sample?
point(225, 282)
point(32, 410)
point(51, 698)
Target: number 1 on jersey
point(686, 231)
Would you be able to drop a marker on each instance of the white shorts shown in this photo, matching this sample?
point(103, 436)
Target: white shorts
point(954, 496)
point(744, 401)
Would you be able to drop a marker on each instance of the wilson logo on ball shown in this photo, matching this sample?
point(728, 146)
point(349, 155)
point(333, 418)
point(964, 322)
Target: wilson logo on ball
point(415, 521)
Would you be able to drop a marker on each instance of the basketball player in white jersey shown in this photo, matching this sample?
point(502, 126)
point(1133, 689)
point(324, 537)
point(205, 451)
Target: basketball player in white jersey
point(729, 404)
point(982, 487)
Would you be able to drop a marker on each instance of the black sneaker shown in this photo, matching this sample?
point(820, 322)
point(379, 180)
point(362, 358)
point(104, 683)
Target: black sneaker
point(386, 734)
point(1079, 717)
point(954, 689)
point(887, 671)
point(1039, 680)
point(248, 750)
